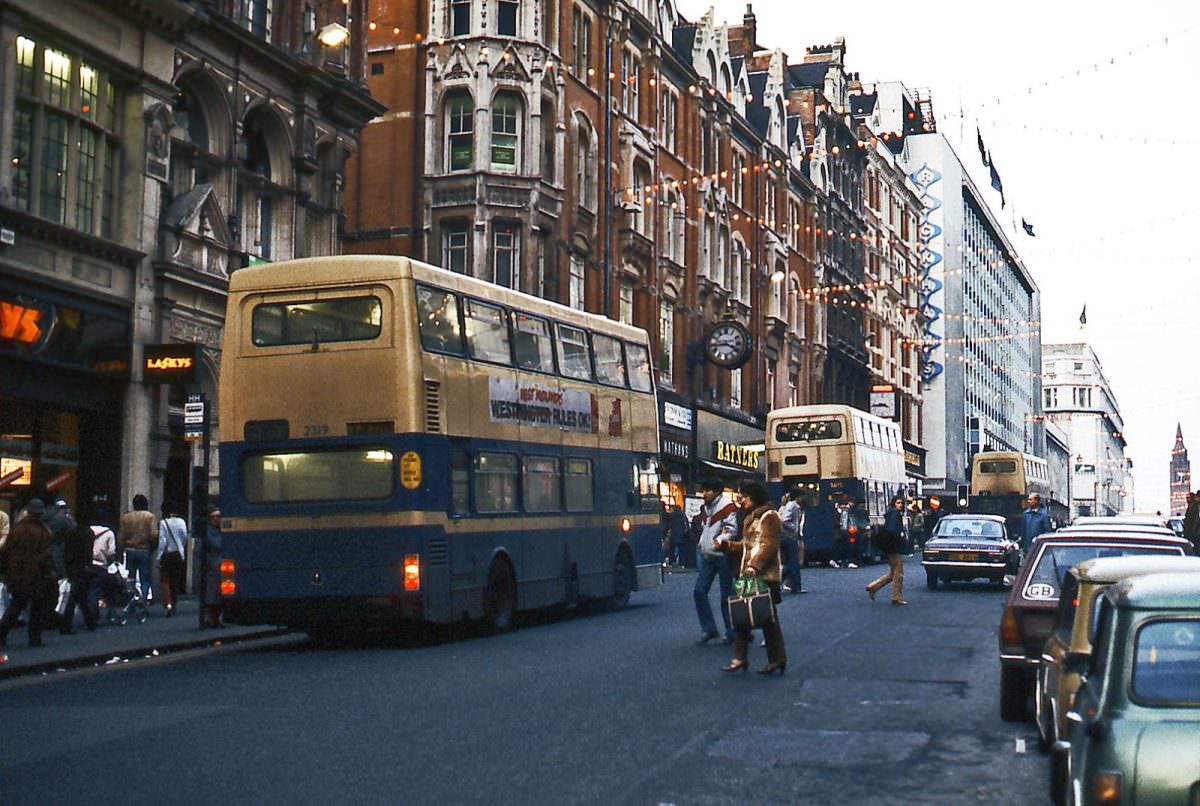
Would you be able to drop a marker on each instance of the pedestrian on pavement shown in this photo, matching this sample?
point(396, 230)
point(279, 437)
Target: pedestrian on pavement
point(77, 557)
point(841, 531)
point(791, 517)
point(890, 541)
point(677, 527)
point(1191, 520)
point(916, 524)
point(62, 528)
point(1034, 521)
point(212, 570)
point(757, 554)
point(172, 549)
point(29, 562)
point(719, 522)
point(137, 537)
point(4, 527)
point(105, 584)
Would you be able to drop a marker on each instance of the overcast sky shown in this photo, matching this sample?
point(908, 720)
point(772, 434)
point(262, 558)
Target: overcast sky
point(1088, 112)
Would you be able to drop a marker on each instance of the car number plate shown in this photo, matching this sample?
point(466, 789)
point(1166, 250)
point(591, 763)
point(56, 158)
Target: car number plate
point(961, 557)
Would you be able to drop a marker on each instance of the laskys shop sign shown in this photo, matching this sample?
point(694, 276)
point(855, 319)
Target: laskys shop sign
point(540, 406)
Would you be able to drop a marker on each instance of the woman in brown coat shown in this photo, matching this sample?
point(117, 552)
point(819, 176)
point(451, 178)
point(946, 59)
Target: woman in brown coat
point(759, 551)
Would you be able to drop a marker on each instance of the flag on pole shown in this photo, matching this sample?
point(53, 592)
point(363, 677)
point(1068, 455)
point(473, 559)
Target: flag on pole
point(996, 183)
point(983, 155)
point(1083, 315)
point(1025, 225)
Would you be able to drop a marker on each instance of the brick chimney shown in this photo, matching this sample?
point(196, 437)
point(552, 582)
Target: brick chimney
point(749, 31)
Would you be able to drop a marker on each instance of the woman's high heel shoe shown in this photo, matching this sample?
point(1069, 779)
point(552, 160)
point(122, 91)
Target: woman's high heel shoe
point(736, 666)
point(772, 668)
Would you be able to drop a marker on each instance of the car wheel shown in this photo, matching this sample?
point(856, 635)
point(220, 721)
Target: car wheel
point(1013, 691)
point(500, 597)
point(1043, 716)
point(931, 580)
point(1060, 778)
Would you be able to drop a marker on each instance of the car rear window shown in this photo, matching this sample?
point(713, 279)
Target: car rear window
point(969, 527)
point(1166, 670)
point(1046, 579)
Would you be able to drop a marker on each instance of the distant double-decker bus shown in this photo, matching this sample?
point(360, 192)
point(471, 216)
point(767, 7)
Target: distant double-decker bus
point(835, 455)
point(400, 442)
point(1001, 481)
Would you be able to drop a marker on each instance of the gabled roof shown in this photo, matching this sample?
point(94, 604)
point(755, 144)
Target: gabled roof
point(737, 64)
point(863, 104)
point(808, 74)
point(683, 39)
point(756, 111)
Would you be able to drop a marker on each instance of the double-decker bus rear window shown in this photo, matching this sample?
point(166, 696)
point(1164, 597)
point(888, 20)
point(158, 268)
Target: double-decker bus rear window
point(809, 431)
point(637, 357)
point(322, 321)
point(437, 317)
point(998, 466)
point(353, 474)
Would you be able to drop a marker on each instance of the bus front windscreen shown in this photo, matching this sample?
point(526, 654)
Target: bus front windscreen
point(808, 431)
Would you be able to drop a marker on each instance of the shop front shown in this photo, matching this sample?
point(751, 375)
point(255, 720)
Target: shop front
point(675, 445)
point(728, 450)
point(64, 368)
point(914, 469)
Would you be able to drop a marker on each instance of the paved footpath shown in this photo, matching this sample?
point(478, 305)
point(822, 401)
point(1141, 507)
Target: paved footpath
point(118, 644)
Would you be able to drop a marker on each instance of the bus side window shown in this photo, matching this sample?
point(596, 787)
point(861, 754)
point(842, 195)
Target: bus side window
point(579, 492)
point(574, 354)
point(610, 361)
point(460, 482)
point(542, 490)
point(437, 319)
point(487, 332)
point(531, 343)
point(496, 482)
point(637, 357)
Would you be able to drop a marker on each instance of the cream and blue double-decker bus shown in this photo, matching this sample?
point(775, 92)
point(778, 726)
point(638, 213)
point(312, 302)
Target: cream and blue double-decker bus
point(407, 443)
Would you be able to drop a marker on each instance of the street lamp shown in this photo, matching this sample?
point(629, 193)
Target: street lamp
point(333, 35)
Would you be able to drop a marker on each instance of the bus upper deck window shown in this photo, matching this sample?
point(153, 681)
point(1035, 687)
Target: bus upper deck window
point(574, 353)
point(437, 317)
point(487, 332)
point(321, 321)
point(637, 356)
point(808, 431)
point(610, 362)
point(531, 343)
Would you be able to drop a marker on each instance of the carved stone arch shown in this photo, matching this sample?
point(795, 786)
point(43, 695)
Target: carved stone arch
point(196, 79)
point(262, 116)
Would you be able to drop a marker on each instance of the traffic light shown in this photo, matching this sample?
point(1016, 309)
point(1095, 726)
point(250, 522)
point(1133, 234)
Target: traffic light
point(963, 492)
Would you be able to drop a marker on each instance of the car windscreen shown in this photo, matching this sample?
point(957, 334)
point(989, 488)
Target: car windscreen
point(1166, 668)
point(1046, 579)
point(969, 527)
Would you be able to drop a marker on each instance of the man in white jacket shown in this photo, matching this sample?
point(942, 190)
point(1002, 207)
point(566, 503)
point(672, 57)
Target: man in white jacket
point(720, 523)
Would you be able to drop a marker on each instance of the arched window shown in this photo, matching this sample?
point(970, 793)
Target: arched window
point(777, 300)
point(673, 217)
point(723, 273)
point(585, 164)
point(781, 123)
point(460, 132)
point(506, 132)
point(712, 68)
point(795, 300)
point(735, 270)
point(549, 163)
point(262, 155)
point(641, 179)
point(188, 165)
point(726, 81)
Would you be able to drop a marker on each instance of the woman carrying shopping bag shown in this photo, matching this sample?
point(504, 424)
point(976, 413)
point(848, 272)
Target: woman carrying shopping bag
point(759, 550)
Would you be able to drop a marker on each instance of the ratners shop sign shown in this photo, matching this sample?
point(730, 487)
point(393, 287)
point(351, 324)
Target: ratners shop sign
point(746, 456)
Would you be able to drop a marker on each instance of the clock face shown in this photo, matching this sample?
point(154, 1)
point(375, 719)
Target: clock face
point(728, 345)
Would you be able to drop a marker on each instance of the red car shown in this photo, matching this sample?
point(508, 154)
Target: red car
point(1029, 613)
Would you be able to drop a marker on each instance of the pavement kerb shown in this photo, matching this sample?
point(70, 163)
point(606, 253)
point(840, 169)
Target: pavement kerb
point(213, 638)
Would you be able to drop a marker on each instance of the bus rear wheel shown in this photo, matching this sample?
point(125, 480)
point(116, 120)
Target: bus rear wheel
point(500, 597)
point(622, 581)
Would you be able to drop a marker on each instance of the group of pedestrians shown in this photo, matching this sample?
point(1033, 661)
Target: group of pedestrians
point(52, 564)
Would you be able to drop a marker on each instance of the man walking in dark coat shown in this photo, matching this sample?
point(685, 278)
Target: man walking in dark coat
point(30, 568)
point(1034, 521)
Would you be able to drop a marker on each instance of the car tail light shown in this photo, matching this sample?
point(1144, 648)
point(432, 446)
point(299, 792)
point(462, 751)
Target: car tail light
point(1106, 787)
point(412, 572)
point(1010, 631)
point(228, 586)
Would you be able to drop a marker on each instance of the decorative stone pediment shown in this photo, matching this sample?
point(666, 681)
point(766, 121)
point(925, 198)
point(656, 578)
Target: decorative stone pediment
point(197, 233)
point(510, 67)
point(457, 66)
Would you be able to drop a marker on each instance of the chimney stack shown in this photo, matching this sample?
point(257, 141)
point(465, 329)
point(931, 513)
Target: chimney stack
point(750, 30)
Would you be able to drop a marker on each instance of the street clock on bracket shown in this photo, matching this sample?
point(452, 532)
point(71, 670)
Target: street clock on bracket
point(729, 344)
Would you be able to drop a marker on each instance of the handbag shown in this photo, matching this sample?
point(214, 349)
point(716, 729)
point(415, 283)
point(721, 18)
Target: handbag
point(751, 605)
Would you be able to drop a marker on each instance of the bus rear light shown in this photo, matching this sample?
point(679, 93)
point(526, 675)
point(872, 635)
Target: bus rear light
point(626, 525)
point(412, 572)
point(228, 586)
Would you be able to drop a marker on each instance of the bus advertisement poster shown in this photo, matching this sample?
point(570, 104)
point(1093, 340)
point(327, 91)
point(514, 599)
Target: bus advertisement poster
point(540, 406)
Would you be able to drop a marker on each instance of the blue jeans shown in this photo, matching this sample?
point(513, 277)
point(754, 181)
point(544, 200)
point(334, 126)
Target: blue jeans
point(138, 563)
point(790, 554)
point(707, 569)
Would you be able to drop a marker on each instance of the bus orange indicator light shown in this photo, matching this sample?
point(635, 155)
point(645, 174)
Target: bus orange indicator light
point(227, 567)
point(626, 525)
point(228, 587)
point(412, 572)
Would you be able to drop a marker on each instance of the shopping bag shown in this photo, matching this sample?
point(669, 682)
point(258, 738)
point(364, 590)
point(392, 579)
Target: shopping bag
point(64, 595)
point(751, 606)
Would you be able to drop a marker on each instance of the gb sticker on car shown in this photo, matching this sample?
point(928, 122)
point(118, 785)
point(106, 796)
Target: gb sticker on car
point(1041, 590)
